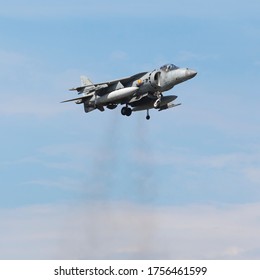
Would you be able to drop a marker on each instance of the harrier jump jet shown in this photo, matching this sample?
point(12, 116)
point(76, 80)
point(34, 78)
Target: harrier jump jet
point(142, 91)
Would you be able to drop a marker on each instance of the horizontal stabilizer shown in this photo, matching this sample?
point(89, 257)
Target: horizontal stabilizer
point(77, 89)
point(78, 99)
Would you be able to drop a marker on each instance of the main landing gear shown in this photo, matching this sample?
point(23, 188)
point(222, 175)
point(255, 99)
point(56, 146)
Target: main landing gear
point(126, 111)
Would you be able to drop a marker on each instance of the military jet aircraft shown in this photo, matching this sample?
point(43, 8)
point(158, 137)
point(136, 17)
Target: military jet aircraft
point(142, 91)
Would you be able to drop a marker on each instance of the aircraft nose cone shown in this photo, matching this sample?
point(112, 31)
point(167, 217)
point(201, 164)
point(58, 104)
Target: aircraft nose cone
point(191, 73)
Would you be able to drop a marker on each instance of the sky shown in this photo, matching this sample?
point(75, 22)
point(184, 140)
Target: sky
point(183, 185)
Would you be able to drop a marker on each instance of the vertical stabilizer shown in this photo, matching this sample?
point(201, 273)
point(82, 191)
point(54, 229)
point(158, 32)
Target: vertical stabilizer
point(85, 81)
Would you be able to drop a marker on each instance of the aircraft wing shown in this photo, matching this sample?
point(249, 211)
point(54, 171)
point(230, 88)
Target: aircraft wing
point(100, 86)
point(127, 80)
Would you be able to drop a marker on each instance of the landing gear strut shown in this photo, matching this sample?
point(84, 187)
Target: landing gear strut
point(157, 102)
point(148, 116)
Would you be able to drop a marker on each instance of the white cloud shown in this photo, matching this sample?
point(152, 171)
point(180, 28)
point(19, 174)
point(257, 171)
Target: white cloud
point(63, 183)
point(30, 105)
point(232, 160)
point(188, 55)
point(118, 55)
point(130, 231)
point(11, 58)
point(253, 174)
point(188, 158)
point(24, 90)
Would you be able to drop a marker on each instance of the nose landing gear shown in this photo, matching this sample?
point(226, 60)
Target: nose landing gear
point(157, 102)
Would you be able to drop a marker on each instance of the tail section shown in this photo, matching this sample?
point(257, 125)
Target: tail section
point(85, 82)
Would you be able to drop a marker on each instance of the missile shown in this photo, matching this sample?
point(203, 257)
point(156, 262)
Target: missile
point(107, 98)
point(116, 95)
point(168, 106)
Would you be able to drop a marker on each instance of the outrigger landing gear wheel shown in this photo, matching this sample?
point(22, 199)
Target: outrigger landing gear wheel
point(148, 116)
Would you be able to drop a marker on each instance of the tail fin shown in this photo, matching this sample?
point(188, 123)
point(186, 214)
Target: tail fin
point(85, 81)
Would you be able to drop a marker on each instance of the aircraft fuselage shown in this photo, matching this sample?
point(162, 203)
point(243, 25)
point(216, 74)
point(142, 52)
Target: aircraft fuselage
point(163, 80)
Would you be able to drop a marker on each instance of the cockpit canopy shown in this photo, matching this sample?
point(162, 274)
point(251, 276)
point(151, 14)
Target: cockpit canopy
point(168, 67)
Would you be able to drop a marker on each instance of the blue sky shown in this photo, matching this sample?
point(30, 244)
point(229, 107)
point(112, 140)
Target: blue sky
point(184, 185)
